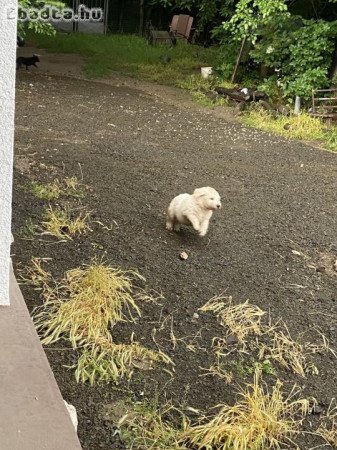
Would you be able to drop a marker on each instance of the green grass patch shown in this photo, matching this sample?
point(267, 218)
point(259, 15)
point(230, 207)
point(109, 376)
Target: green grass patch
point(302, 127)
point(69, 187)
point(130, 55)
point(28, 231)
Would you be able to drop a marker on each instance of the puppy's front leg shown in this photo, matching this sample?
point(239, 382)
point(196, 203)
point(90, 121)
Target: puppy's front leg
point(204, 227)
point(194, 222)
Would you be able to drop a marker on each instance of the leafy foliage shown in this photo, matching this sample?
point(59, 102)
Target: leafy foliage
point(300, 51)
point(38, 26)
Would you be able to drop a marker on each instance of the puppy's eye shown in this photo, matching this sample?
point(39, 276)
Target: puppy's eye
point(212, 198)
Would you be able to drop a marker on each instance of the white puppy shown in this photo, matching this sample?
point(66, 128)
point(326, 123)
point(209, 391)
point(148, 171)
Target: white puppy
point(195, 209)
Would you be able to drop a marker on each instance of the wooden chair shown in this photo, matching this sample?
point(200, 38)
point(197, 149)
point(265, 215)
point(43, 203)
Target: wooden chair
point(180, 28)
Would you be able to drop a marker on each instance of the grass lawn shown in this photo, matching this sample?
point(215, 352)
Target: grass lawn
point(130, 55)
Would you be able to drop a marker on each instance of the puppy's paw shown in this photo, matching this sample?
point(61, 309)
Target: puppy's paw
point(169, 226)
point(202, 233)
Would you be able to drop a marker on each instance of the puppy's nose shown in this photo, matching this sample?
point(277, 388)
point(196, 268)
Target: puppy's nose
point(218, 205)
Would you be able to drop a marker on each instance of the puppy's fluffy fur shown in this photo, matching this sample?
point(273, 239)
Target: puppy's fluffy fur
point(195, 209)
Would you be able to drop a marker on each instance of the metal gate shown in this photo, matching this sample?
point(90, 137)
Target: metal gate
point(88, 17)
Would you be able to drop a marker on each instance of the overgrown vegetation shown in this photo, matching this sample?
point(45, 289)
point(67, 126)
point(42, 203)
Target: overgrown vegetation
point(244, 330)
point(130, 55)
point(302, 126)
point(92, 300)
point(38, 26)
point(259, 419)
point(83, 308)
point(289, 44)
point(68, 187)
point(63, 224)
point(328, 427)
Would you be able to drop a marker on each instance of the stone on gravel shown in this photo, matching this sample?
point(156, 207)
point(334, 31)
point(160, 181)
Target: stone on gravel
point(72, 413)
point(183, 256)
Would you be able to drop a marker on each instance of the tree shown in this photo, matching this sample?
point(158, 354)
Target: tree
point(27, 8)
point(298, 51)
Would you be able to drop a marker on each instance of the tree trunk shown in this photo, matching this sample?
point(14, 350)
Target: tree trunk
point(333, 68)
point(141, 17)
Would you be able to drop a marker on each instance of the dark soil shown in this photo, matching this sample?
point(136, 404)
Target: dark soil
point(136, 151)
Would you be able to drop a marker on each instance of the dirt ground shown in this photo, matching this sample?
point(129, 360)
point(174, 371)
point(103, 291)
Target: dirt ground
point(136, 148)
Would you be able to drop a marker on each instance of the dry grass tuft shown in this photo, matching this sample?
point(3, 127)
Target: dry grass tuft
point(83, 308)
point(328, 427)
point(243, 329)
point(63, 225)
point(241, 321)
point(292, 354)
point(90, 301)
point(216, 370)
point(287, 352)
point(35, 275)
point(111, 362)
point(260, 419)
point(73, 188)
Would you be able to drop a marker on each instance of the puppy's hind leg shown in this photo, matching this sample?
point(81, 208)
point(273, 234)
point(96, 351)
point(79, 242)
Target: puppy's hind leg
point(170, 219)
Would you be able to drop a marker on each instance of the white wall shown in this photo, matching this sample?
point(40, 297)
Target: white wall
point(7, 97)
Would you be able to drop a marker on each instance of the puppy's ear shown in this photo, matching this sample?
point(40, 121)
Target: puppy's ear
point(199, 192)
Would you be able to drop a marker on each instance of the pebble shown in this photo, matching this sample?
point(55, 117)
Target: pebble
point(183, 256)
point(317, 409)
point(232, 340)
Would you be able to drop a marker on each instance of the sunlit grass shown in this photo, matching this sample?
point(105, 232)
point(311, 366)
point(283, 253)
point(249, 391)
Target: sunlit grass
point(83, 309)
point(302, 126)
point(63, 224)
point(92, 300)
point(261, 418)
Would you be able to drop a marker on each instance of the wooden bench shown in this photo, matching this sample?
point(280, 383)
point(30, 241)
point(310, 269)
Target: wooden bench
point(324, 103)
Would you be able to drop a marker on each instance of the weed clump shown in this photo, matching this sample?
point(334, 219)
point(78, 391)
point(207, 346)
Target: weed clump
point(259, 419)
point(62, 224)
point(84, 308)
point(69, 187)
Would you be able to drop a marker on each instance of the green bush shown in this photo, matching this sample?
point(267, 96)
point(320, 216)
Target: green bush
point(301, 53)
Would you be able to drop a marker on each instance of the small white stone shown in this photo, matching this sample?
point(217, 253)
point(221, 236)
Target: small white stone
point(72, 413)
point(183, 256)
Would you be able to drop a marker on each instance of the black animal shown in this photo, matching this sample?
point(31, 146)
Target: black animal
point(20, 42)
point(27, 61)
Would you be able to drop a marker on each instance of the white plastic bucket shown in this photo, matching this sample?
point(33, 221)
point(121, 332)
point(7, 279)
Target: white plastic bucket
point(206, 71)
